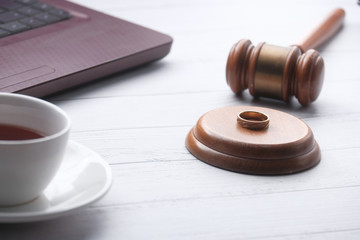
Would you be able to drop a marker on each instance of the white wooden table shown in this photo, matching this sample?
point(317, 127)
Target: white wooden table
point(137, 121)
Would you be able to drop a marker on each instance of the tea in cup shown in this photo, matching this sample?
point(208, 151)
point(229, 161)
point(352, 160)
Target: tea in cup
point(33, 139)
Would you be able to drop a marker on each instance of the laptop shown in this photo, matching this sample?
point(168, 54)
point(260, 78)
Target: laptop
point(48, 46)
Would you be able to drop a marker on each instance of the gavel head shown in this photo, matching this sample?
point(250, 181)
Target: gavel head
point(275, 72)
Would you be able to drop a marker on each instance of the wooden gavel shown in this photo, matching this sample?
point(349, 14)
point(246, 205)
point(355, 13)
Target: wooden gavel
point(280, 72)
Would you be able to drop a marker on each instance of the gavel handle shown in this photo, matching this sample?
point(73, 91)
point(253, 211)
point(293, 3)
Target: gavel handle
point(324, 31)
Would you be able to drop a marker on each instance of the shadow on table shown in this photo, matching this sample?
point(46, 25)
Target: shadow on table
point(292, 106)
point(111, 81)
point(76, 226)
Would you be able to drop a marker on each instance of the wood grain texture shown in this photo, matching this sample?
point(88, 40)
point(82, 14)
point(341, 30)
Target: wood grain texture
point(138, 122)
point(275, 71)
point(286, 146)
point(325, 30)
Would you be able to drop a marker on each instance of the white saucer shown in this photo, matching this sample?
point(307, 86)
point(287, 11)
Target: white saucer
point(83, 178)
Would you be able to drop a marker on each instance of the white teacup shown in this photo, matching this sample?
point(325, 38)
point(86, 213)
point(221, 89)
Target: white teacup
point(28, 166)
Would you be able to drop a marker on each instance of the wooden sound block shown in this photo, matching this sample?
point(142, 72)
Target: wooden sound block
point(253, 140)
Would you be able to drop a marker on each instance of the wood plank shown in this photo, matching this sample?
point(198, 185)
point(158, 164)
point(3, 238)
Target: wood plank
point(185, 108)
point(168, 143)
point(191, 179)
point(277, 216)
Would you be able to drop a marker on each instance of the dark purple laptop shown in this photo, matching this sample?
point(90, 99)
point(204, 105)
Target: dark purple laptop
point(48, 46)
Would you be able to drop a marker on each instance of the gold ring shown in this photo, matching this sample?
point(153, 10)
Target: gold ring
point(253, 120)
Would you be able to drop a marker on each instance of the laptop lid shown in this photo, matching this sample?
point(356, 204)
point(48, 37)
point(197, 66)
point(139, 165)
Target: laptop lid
point(86, 46)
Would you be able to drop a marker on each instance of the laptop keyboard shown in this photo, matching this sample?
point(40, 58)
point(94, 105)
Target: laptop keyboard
point(22, 15)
